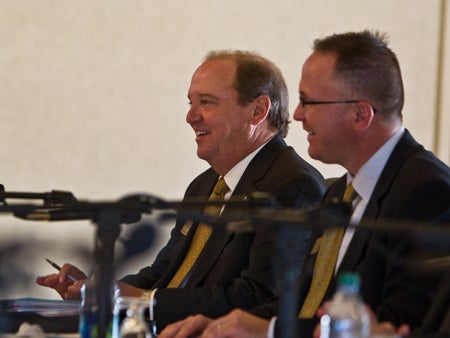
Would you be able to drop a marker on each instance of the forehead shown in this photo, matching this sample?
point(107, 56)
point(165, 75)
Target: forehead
point(317, 72)
point(213, 75)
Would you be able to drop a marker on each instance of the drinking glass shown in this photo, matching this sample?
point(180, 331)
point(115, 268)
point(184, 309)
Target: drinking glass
point(133, 325)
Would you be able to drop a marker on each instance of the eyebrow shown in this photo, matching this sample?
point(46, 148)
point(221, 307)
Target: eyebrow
point(205, 95)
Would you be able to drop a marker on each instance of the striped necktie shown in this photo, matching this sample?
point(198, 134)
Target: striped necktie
point(325, 262)
point(201, 234)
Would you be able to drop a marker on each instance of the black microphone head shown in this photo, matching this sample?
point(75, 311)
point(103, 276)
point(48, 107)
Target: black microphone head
point(2, 189)
point(141, 238)
point(57, 198)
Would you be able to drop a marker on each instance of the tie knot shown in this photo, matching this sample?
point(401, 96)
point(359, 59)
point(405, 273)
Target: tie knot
point(349, 194)
point(220, 189)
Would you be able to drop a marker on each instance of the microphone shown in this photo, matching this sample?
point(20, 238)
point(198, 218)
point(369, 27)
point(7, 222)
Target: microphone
point(141, 239)
point(56, 215)
point(52, 199)
point(63, 206)
point(129, 210)
point(321, 215)
point(2, 190)
point(79, 214)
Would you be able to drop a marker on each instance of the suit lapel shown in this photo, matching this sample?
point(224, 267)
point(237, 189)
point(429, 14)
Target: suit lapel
point(405, 147)
point(403, 150)
point(187, 227)
point(248, 183)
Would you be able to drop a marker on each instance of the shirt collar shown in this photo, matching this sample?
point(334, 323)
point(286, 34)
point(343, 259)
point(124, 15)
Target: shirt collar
point(233, 176)
point(366, 178)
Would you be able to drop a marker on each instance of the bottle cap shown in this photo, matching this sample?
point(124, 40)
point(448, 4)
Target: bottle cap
point(349, 279)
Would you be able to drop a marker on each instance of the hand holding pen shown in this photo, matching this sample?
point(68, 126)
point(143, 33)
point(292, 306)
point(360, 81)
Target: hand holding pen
point(67, 282)
point(57, 267)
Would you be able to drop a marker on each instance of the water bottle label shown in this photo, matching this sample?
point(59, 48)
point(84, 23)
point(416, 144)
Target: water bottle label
point(89, 326)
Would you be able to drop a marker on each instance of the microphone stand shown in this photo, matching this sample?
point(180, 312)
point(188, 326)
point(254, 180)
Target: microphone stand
point(287, 269)
point(293, 233)
point(108, 218)
point(108, 230)
point(110, 215)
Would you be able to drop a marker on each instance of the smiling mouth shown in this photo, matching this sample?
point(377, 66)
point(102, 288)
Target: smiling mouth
point(201, 133)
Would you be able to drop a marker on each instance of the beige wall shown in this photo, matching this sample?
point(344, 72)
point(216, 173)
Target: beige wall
point(93, 94)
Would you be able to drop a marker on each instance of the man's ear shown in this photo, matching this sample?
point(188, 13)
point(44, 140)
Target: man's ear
point(261, 107)
point(363, 115)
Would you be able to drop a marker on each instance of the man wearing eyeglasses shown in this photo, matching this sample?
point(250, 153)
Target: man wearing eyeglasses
point(351, 101)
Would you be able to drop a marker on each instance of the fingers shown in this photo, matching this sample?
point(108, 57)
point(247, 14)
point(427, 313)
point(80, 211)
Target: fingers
point(383, 328)
point(69, 269)
point(404, 330)
point(73, 291)
point(323, 309)
point(66, 287)
point(234, 325)
point(316, 332)
point(48, 281)
point(373, 318)
point(387, 328)
point(218, 329)
point(237, 324)
point(53, 282)
point(191, 326)
point(319, 313)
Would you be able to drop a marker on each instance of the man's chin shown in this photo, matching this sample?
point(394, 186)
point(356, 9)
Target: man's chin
point(201, 154)
point(313, 154)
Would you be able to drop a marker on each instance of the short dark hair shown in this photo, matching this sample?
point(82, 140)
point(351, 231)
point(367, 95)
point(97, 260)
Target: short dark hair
point(257, 76)
point(369, 67)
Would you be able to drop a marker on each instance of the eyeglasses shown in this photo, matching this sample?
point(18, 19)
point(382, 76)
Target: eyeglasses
point(304, 103)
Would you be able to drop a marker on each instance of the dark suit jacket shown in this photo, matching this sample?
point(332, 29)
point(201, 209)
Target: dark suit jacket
point(414, 185)
point(436, 323)
point(234, 269)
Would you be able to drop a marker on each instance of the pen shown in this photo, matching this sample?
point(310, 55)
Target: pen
point(57, 267)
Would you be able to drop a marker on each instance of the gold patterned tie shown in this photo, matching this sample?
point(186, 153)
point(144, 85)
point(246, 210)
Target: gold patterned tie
point(201, 234)
point(325, 262)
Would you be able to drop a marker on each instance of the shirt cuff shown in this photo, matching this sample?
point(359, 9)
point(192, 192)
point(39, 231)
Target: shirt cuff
point(271, 329)
point(150, 296)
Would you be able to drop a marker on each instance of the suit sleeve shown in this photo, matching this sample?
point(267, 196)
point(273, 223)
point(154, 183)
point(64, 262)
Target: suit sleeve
point(407, 287)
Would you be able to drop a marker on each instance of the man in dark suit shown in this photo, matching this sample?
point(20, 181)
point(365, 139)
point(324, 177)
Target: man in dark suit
point(351, 100)
point(239, 113)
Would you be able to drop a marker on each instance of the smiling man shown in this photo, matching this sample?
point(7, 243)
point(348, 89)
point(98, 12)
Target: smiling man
point(239, 113)
point(351, 102)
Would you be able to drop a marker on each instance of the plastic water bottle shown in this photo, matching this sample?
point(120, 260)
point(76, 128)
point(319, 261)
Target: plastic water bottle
point(89, 306)
point(89, 320)
point(347, 316)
